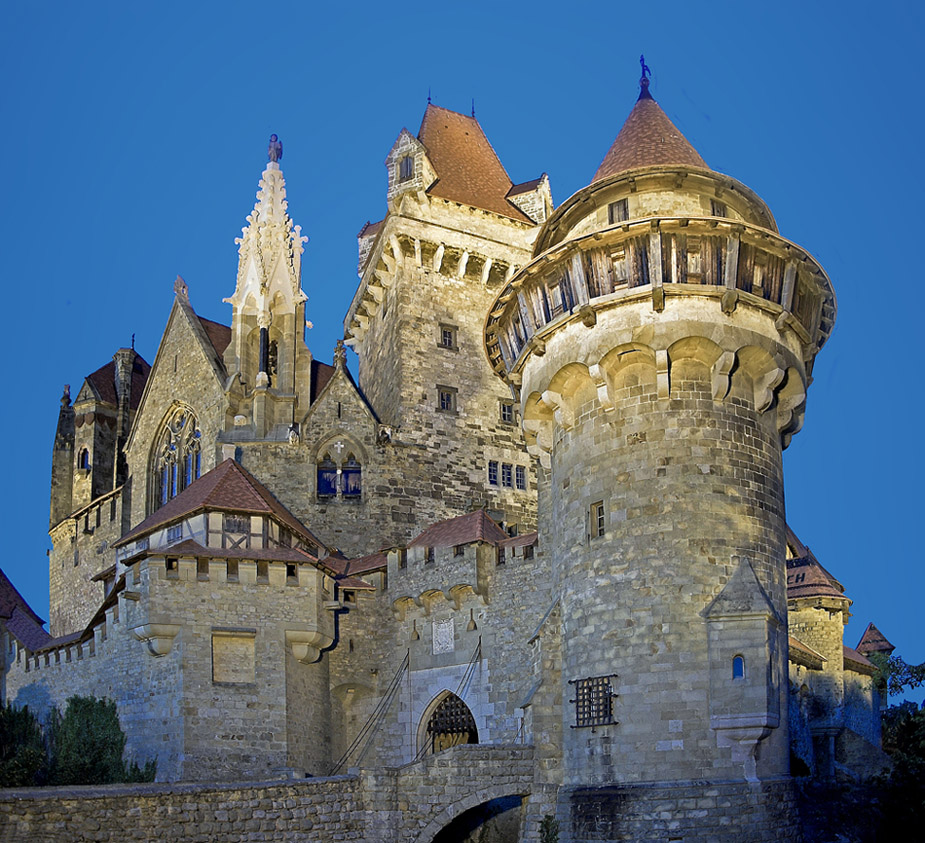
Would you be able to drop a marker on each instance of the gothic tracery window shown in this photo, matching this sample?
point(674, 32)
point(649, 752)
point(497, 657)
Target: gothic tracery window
point(177, 456)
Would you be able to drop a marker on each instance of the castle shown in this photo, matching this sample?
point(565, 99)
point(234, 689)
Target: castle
point(545, 518)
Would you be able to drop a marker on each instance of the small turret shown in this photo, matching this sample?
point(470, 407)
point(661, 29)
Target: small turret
point(62, 461)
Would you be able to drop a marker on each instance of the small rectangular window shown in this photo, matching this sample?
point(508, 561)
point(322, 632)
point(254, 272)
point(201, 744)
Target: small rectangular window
point(428, 555)
point(292, 573)
point(403, 558)
point(112, 509)
point(528, 551)
point(202, 569)
point(507, 412)
point(507, 475)
point(406, 168)
point(350, 598)
point(263, 571)
point(237, 524)
point(459, 550)
point(447, 337)
point(617, 211)
point(492, 473)
point(717, 209)
point(597, 519)
point(501, 556)
point(520, 475)
point(99, 515)
point(174, 533)
point(231, 572)
point(172, 568)
point(446, 399)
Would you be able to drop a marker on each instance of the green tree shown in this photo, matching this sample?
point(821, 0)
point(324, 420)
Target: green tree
point(87, 744)
point(896, 675)
point(22, 749)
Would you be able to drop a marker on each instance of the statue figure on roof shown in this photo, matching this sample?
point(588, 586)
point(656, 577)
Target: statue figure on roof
point(275, 150)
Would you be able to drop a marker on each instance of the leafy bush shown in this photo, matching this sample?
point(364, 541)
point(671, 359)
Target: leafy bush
point(22, 750)
point(87, 744)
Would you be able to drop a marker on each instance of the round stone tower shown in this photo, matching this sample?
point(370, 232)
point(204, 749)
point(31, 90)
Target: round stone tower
point(661, 342)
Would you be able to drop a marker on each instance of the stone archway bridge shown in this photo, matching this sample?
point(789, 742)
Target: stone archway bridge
point(408, 804)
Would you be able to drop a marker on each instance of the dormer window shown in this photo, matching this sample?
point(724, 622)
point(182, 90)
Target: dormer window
point(406, 168)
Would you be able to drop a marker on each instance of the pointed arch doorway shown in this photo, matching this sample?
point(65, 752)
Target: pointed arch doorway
point(447, 722)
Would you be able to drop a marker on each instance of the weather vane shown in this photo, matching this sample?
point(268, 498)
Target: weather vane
point(645, 68)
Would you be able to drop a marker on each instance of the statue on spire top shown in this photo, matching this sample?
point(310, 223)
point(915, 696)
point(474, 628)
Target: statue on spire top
point(275, 150)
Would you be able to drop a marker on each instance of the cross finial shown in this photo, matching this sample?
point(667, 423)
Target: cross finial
point(428, 94)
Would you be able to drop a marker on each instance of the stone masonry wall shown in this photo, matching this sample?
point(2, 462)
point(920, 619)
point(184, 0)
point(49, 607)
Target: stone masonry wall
point(80, 550)
point(411, 803)
point(685, 484)
point(181, 373)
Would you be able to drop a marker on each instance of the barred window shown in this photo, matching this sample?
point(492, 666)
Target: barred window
point(507, 412)
point(237, 524)
point(492, 473)
point(446, 399)
point(174, 533)
point(507, 475)
point(593, 701)
point(447, 337)
point(406, 168)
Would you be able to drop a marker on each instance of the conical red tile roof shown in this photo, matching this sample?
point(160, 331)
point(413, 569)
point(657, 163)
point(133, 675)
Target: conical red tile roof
point(874, 641)
point(648, 138)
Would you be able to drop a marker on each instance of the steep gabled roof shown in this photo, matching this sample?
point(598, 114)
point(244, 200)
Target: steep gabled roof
point(468, 168)
point(11, 600)
point(874, 641)
point(103, 381)
point(219, 335)
point(648, 138)
point(476, 526)
point(227, 487)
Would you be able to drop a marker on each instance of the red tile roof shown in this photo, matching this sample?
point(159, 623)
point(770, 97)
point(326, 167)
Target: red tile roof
point(476, 526)
point(648, 138)
point(362, 565)
point(800, 653)
point(874, 641)
point(321, 374)
point(468, 169)
point(11, 600)
point(807, 578)
point(23, 627)
point(523, 540)
point(853, 660)
point(525, 186)
point(189, 547)
point(228, 487)
point(103, 381)
point(219, 335)
point(370, 229)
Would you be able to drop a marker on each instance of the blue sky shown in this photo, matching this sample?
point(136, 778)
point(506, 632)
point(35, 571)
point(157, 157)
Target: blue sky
point(136, 133)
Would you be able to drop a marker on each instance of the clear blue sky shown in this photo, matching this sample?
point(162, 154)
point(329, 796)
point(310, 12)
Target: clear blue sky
point(134, 136)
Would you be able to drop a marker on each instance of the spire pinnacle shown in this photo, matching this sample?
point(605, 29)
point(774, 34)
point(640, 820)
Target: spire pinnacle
point(428, 94)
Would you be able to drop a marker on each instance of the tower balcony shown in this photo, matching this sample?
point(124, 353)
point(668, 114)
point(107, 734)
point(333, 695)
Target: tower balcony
point(655, 258)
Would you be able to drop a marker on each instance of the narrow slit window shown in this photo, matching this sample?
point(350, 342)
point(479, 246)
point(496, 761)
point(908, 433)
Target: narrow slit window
point(738, 667)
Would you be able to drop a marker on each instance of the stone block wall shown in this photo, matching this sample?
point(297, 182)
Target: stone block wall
point(81, 549)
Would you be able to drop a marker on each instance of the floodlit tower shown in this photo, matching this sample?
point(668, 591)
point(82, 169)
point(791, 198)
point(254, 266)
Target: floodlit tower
point(662, 340)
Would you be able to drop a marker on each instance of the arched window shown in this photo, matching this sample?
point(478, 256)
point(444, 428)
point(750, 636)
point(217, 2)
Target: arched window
point(340, 476)
point(738, 668)
point(327, 477)
point(352, 477)
point(83, 459)
point(177, 456)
